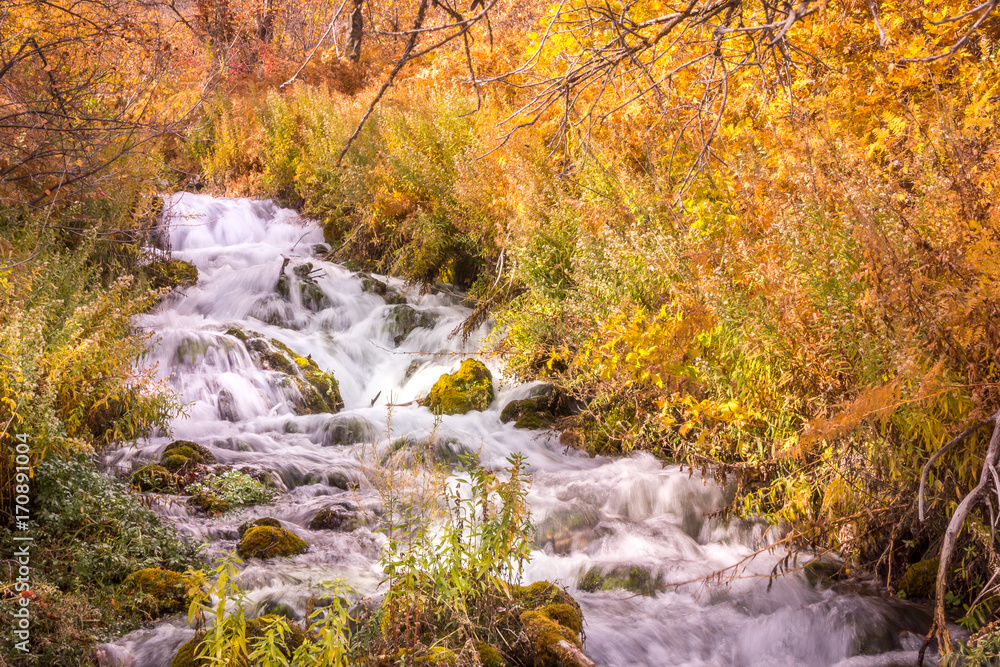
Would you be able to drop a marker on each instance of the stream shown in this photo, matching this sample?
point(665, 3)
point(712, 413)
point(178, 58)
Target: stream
point(610, 515)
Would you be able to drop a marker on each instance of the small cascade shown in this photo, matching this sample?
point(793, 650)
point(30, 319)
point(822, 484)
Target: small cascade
point(630, 538)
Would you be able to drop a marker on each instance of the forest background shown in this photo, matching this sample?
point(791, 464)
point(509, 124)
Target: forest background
point(758, 238)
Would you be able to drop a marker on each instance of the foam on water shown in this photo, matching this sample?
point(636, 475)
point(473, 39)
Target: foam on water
point(602, 512)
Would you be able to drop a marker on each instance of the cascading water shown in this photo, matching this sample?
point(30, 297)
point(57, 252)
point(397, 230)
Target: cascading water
point(631, 517)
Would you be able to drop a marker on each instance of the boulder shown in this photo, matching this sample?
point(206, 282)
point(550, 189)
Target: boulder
point(404, 319)
point(263, 521)
point(156, 591)
point(627, 577)
point(469, 388)
point(155, 478)
point(337, 517)
point(270, 542)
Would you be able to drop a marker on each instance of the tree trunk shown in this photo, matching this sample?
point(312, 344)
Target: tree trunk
point(357, 25)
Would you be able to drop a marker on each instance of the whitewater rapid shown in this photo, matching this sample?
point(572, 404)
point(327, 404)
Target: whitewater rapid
point(606, 513)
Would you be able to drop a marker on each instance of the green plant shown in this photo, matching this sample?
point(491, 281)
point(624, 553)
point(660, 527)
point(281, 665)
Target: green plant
point(233, 487)
point(447, 582)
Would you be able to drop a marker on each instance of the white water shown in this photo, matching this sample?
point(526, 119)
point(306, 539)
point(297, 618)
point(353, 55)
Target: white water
point(597, 511)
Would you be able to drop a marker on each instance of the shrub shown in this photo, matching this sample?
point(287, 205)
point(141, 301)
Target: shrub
point(234, 488)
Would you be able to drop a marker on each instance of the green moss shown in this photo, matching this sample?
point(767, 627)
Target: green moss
point(326, 387)
point(920, 579)
point(376, 286)
point(542, 594)
point(544, 635)
point(156, 591)
point(171, 273)
point(153, 477)
point(185, 654)
point(174, 462)
point(237, 333)
point(630, 578)
point(565, 615)
point(489, 655)
point(190, 450)
point(403, 319)
point(209, 504)
point(469, 388)
point(263, 521)
point(347, 430)
point(534, 420)
point(270, 542)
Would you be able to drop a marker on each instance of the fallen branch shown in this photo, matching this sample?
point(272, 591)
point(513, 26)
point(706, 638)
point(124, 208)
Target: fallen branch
point(956, 523)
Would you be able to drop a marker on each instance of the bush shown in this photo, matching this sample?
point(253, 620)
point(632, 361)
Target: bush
point(234, 488)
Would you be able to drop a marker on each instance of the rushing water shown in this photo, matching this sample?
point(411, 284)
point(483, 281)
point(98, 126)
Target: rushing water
point(613, 514)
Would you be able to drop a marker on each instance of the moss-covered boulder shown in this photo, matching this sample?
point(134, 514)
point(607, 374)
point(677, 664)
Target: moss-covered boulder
point(920, 579)
point(375, 286)
point(315, 390)
point(338, 517)
point(539, 410)
point(348, 430)
point(209, 504)
point(469, 388)
point(404, 319)
point(622, 577)
point(185, 656)
point(270, 542)
point(155, 478)
point(170, 273)
point(188, 450)
point(552, 643)
point(155, 591)
point(263, 521)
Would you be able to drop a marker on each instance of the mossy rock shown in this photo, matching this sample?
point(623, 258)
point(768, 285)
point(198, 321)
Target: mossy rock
point(432, 656)
point(920, 579)
point(537, 411)
point(263, 521)
point(185, 656)
point(270, 542)
point(318, 390)
point(174, 462)
point(156, 591)
point(630, 578)
point(375, 286)
point(469, 388)
point(337, 517)
point(347, 430)
point(191, 450)
point(534, 421)
point(542, 594)
point(209, 504)
point(155, 478)
point(403, 319)
point(545, 635)
point(269, 358)
point(171, 273)
point(237, 333)
point(489, 655)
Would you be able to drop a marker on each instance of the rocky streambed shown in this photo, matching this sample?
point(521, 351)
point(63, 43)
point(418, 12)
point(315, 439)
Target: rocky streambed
point(304, 381)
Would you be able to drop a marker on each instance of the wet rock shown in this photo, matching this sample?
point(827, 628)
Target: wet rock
point(538, 411)
point(569, 529)
point(404, 319)
point(263, 521)
point(443, 450)
point(270, 542)
point(227, 407)
point(414, 366)
point(275, 311)
point(337, 517)
point(211, 505)
point(347, 430)
point(469, 388)
point(155, 591)
point(627, 577)
point(315, 390)
point(170, 273)
point(189, 450)
point(373, 285)
point(153, 477)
